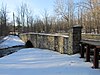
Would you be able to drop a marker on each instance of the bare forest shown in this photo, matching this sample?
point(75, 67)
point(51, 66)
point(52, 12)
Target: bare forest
point(67, 13)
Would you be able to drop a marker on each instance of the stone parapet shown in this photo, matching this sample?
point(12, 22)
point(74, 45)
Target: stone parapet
point(56, 42)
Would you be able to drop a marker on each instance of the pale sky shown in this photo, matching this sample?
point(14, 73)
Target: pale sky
point(37, 6)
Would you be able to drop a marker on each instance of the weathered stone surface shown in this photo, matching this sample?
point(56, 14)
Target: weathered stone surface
point(91, 36)
point(74, 39)
point(57, 42)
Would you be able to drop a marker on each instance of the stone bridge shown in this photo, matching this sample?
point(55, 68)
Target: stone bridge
point(68, 43)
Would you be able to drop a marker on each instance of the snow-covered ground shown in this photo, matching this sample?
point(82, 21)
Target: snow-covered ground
point(33, 61)
point(10, 41)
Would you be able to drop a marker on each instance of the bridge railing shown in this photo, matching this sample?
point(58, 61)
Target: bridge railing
point(58, 42)
point(54, 42)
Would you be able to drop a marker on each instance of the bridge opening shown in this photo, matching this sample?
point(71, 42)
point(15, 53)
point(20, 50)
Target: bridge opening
point(28, 44)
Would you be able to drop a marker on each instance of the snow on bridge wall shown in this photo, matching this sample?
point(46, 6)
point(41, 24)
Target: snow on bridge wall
point(57, 42)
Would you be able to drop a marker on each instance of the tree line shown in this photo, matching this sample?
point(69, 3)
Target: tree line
point(66, 14)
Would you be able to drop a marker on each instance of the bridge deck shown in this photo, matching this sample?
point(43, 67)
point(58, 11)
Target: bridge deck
point(95, 45)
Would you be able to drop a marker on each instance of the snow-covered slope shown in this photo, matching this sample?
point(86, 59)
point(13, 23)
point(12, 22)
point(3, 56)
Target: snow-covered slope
point(10, 41)
point(33, 61)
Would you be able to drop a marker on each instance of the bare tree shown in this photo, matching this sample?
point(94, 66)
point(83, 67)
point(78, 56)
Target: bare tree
point(45, 16)
point(18, 24)
point(29, 19)
point(65, 8)
point(31, 23)
point(14, 23)
point(3, 21)
point(24, 18)
point(92, 8)
point(21, 16)
point(23, 10)
point(38, 25)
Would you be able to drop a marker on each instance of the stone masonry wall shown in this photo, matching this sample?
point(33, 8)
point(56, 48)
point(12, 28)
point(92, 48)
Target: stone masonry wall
point(57, 42)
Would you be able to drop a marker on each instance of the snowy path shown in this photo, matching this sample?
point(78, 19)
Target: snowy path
point(10, 41)
point(35, 61)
